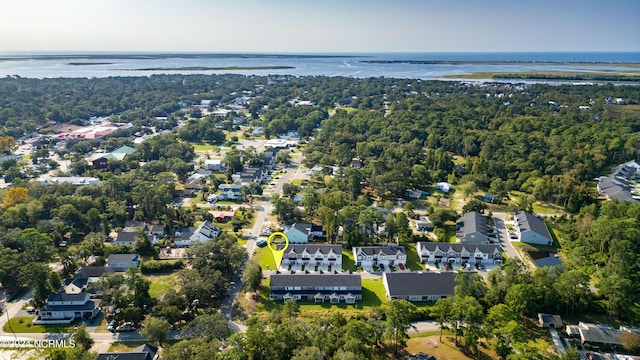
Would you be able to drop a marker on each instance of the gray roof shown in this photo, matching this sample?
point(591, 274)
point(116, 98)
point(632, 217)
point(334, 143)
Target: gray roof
point(126, 356)
point(121, 258)
point(77, 281)
point(615, 188)
point(378, 250)
point(87, 306)
point(593, 333)
point(314, 280)
point(127, 236)
point(459, 247)
point(62, 296)
point(311, 248)
point(94, 271)
point(420, 283)
point(529, 222)
point(472, 222)
point(303, 227)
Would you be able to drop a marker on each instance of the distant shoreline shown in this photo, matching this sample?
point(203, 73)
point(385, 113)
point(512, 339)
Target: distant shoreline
point(501, 62)
point(214, 68)
point(164, 56)
point(88, 63)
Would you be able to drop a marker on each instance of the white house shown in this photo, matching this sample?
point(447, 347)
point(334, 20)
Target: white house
point(299, 233)
point(333, 288)
point(419, 286)
point(312, 257)
point(205, 231)
point(75, 285)
point(215, 165)
point(532, 229)
point(380, 256)
point(75, 180)
point(479, 254)
point(443, 186)
point(121, 262)
point(62, 308)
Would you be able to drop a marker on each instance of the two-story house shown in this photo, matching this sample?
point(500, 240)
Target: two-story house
point(312, 257)
point(63, 308)
point(472, 229)
point(121, 262)
point(419, 286)
point(379, 256)
point(205, 231)
point(532, 229)
point(440, 253)
point(334, 288)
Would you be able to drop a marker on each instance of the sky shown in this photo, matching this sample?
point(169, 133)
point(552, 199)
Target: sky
point(310, 26)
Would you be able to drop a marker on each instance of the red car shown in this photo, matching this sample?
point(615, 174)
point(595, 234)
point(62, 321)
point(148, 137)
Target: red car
point(401, 266)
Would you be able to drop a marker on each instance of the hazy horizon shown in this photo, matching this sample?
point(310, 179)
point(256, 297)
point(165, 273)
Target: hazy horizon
point(329, 26)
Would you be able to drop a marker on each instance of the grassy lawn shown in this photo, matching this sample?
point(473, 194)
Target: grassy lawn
point(413, 259)
point(347, 261)
point(296, 182)
point(429, 343)
point(373, 293)
point(161, 284)
point(265, 258)
point(22, 324)
point(547, 209)
point(204, 147)
point(120, 346)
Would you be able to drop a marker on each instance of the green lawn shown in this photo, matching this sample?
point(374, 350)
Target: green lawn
point(547, 209)
point(373, 293)
point(203, 147)
point(265, 258)
point(22, 324)
point(413, 259)
point(161, 284)
point(347, 261)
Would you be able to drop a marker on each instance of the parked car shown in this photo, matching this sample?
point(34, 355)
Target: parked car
point(401, 266)
point(112, 326)
point(126, 327)
point(261, 243)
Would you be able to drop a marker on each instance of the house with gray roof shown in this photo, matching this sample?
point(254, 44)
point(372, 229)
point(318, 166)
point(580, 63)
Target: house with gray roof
point(311, 256)
point(318, 288)
point(599, 335)
point(121, 262)
point(142, 352)
point(419, 286)
point(63, 308)
point(205, 231)
point(369, 256)
point(472, 229)
point(440, 253)
point(532, 229)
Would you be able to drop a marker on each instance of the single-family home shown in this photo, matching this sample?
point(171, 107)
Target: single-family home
point(223, 216)
point(121, 262)
point(379, 256)
point(312, 256)
point(418, 286)
point(355, 163)
point(142, 352)
point(229, 192)
point(75, 285)
point(126, 238)
point(413, 194)
point(472, 229)
point(445, 187)
point(63, 308)
point(154, 232)
point(599, 335)
point(205, 231)
point(458, 253)
point(532, 229)
point(550, 321)
point(302, 232)
point(215, 165)
point(334, 288)
point(94, 273)
point(423, 224)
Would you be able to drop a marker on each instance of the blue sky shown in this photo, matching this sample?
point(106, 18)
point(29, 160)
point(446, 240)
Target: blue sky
point(319, 25)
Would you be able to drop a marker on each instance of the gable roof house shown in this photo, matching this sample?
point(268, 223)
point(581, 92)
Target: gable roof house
point(311, 255)
point(205, 231)
point(93, 273)
point(418, 286)
point(615, 188)
point(369, 256)
point(121, 262)
point(532, 229)
point(63, 308)
point(299, 233)
point(435, 252)
point(472, 229)
point(318, 288)
point(75, 285)
point(142, 352)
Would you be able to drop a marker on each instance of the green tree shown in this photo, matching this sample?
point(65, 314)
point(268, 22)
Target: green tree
point(82, 338)
point(442, 312)
point(209, 327)
point(399, 314)
point(155, 330)
point(252, 276)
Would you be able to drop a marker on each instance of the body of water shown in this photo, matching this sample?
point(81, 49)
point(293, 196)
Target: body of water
point(397, 65)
